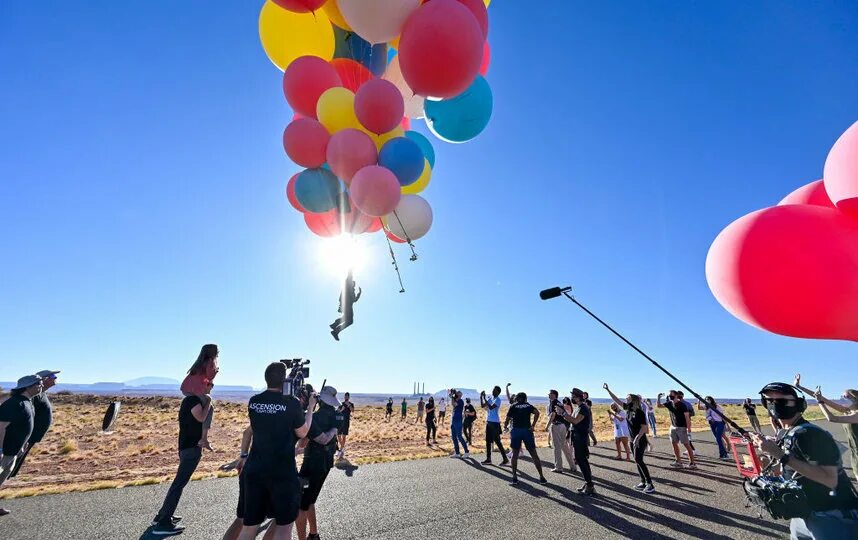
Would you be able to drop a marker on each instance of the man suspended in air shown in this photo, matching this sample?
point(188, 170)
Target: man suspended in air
point(348, 297)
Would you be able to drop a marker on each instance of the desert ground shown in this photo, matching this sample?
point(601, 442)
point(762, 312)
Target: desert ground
point(141, 449)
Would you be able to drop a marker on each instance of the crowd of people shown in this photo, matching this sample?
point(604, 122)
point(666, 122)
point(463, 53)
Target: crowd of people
point(316, 424)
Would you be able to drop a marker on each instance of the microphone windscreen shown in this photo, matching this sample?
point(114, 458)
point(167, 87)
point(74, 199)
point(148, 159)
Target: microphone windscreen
point(553, 292)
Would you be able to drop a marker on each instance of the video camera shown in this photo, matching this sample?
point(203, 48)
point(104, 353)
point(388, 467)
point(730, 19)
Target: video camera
point(294, 384)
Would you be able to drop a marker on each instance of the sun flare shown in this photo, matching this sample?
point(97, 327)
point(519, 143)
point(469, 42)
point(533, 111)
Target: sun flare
point(342, 253)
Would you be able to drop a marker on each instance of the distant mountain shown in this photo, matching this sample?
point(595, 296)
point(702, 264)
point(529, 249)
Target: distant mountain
point(152, 381)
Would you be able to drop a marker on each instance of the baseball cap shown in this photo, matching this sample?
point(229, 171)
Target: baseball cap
point(781, 388)
point(46, 373)
point(27, 381)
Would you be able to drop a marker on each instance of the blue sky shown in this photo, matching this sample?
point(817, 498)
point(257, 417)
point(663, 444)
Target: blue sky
point(142, 209)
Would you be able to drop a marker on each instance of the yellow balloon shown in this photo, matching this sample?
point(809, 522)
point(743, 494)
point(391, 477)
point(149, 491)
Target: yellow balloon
point(384, 137)
point(332, 10)
point(286, 35)
point(421, 183)
point(487, 2)
point(336, 110)
point(394, 42)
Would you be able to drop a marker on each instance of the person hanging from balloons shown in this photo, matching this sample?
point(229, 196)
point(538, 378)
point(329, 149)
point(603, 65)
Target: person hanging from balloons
point(348, 297)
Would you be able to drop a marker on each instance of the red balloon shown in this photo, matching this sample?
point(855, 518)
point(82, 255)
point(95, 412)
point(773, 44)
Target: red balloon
point(440, 49)
point(334, 222)
point(841, 171)
point(304, 80)
point(791, 270)
point(379, 106)
point(374, 226)
point(813, 194)
point(406, 123)
point(392, 237)
point(326, 224)
point(487, 59)
point(300, 6)
point(290, 194)
point(349, 151)
point(306, 141)
point(480, 12)
point(352, 74)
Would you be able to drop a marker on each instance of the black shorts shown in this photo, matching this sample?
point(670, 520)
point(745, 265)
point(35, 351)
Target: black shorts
point(442, 414)
point(315, 476)
point(344, 429)
point(266, 495)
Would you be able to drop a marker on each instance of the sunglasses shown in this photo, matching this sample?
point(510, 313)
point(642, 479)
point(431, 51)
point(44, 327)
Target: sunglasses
point(778, 401)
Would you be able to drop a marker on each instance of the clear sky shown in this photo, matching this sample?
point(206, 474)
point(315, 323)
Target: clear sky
point(142, 209)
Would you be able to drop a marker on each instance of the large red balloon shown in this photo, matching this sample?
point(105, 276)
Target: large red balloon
point(379, 106)
point(480, 12)
point(841, 171)
point(812, 193)
point(791, 270)
point(352, 74)
point(306, 141)
point(290, 194)
point(300, 6)
point(307, 78)
point(440, 49)
point(326, 224)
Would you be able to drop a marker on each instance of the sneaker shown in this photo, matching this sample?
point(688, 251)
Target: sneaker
point(587, 489)
point(166, 529)
point(640, 487)
point(557, 470)
point(505, 463)
point(692, 466)
point(174, 519)
point(514, 481)
point(543, 480)
point(486, 462)
point(649, 488)
point(455, 456)
point(676, 465)
point(725, 458)
point(313, 536)
point(466, 455)
point(4, 512)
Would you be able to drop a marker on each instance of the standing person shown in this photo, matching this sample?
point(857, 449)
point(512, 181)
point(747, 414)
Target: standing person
point(715, 417)
point(493, 425)
point(592, 435)
point(650, 418)
point(621, 430)
point(346, 409)
point(348, 297)
point(581, 419)
point(318, 460)
point(849, 420)
point(751, 411)
point(16, 425)
point(271, 482)
point(812, 455)
point(470, 417)
point(421, 406)
point(388, 410)
point(43, 415)
point(638, 429)
point(456, 426)
point(404, 406)
point(199, 382)
point(691, 414)
point(559, 431)
point(520, 414)
point(442, 411)
point(431, 428)
point(680, 419)
point(192, 415)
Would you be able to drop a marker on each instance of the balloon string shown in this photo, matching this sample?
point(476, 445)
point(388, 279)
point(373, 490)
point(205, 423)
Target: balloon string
point(395, 265)
point(407, 238)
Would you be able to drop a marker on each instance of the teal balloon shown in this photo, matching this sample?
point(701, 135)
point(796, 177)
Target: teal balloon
point(461, 118)
point(317, 190)
point(424, 144)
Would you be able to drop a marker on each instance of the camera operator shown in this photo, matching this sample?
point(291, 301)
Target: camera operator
point(270, 475)
point(812, 455)
point(318, 459)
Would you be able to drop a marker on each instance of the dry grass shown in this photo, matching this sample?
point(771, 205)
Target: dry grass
point(142, 448)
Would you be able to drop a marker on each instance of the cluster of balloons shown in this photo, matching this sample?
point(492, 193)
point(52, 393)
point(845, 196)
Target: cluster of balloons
point(792, 269)
point(357, 73)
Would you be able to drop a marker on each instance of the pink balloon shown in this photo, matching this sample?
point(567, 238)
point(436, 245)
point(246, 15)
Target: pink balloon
point(487, 59)
point(440, 49)
point(479, 10)
point(306, 141)
point(406, 123)
point(333, 222)
point(300, 6)
point(812, 193)
point(841, 171)
point(349, 151)
point(304, 80)
point(375, 191)
point(791, 270)
point(290, 194)
point(375, 226)
point(326, 224)
point(379, 106)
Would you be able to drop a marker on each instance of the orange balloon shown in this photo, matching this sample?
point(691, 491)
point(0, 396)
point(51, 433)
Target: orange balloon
point(352, 73)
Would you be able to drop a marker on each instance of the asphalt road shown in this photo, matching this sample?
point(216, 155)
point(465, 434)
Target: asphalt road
point(441, 498)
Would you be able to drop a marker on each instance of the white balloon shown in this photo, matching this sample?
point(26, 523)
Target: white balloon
point(413, 102)
point(413, 216)
point(377, 21)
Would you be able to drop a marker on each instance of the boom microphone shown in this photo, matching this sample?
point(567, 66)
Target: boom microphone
point(553, 292)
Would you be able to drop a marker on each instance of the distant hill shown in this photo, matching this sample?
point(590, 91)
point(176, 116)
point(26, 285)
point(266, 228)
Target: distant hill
point(148, 381)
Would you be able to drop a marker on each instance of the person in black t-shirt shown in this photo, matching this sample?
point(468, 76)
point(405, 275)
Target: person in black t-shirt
point(271, 482)
point(318, 459)
point(751, 411)
point(638, 430)
point(812, 455)
point(431, 428)
point(16, 425)
point(470, 417)
point(519, 414)
point(592, 435)
point(388, 410)
point(680, 423)
point(582, 423)
point(559, 433)
point(43, 415)
point(345, 410)
point(192, 414)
